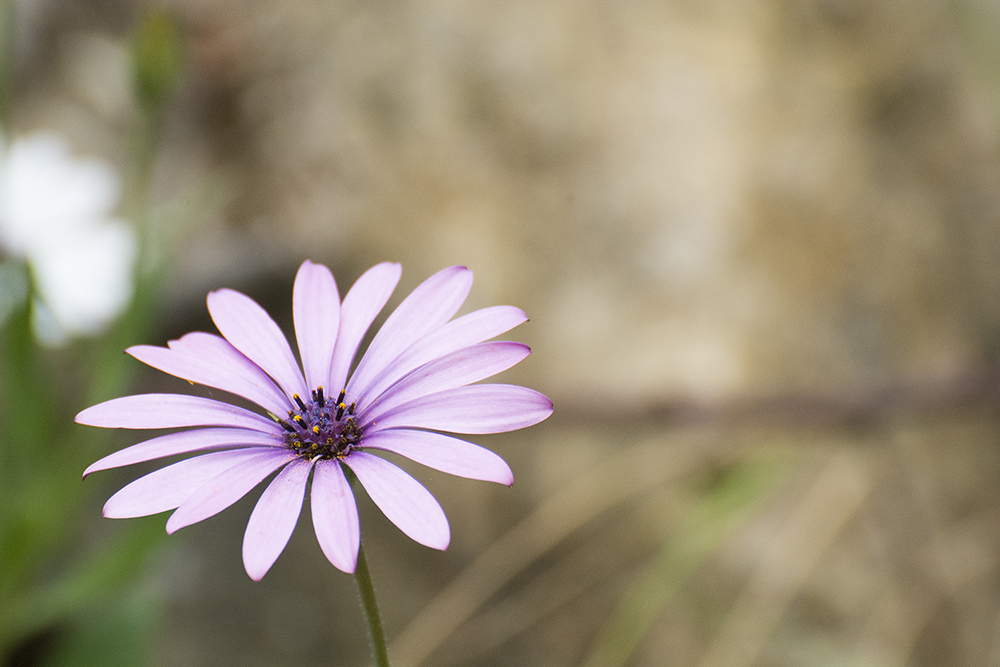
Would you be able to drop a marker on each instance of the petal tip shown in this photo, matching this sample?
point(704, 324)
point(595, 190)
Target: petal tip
point(109, 511)
point(440, 541)
point(310, 265)
point(346, 567)
point(172, 526)
point(215, 295)
point(255, 574)
point(464, 271)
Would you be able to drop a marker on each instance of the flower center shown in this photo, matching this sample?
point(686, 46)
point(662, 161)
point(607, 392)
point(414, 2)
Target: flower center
point(321, 428)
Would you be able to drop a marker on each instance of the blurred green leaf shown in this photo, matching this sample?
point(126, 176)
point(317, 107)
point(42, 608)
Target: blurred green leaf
point(113, 633)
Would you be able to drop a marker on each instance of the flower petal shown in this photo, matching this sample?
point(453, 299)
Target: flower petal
point(457, 369)
point(402, 499)
point(227, 487)
point(191, 360)
point(166, 488)
point(478, 408)
point(222, 353)
point(444, 453)
point(170, 410)
point(274, 518)
point(470, 329)
point(252, 331)
point(429, 306)
point(361, 305)
point(185, 442)
point(316, 311)
point(335, 516)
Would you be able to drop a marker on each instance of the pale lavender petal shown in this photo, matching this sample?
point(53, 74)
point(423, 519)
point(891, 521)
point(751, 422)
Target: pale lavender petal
point(274, 518)
point(425, 309)
point(470, 329)
point(205, 370)
point(252, 331)
point(170, 410)
point(166, 488)
point(222, 353)
point(227, 487)
point(457, 369)
point(186, 442)
point(316, 311)
point(402, 499)
point(478, 408)
point(444, 453)
point(335, 516)
point(361, 305)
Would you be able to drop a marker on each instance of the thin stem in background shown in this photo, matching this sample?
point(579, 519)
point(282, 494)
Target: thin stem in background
point(7, 32)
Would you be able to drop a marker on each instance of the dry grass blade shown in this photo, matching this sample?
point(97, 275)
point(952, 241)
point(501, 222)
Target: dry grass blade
point(625, 475)
point(832, 499)
point(711, 519)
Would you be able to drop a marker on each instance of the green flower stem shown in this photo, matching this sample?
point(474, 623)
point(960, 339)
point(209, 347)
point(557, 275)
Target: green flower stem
point(364, 578)
point(7, 52)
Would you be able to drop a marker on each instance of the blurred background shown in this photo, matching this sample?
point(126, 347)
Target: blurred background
point(758, 244)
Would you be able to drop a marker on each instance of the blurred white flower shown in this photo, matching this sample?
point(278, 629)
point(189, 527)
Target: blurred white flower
point(56, 213)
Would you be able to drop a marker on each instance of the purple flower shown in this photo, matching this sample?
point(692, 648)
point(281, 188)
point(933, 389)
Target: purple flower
point(415, 379)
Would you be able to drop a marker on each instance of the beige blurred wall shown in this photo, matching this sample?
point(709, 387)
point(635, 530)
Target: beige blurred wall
point(691, 199)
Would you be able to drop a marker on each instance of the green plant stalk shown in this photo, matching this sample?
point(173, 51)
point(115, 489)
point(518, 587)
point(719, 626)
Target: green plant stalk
point(7, 32)
point(376, 635)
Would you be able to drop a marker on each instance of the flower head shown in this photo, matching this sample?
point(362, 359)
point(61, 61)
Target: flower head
point(56, 213)
point(415, 379)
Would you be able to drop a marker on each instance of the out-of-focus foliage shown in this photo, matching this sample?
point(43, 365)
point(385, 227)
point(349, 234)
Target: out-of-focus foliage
point(72, 299)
